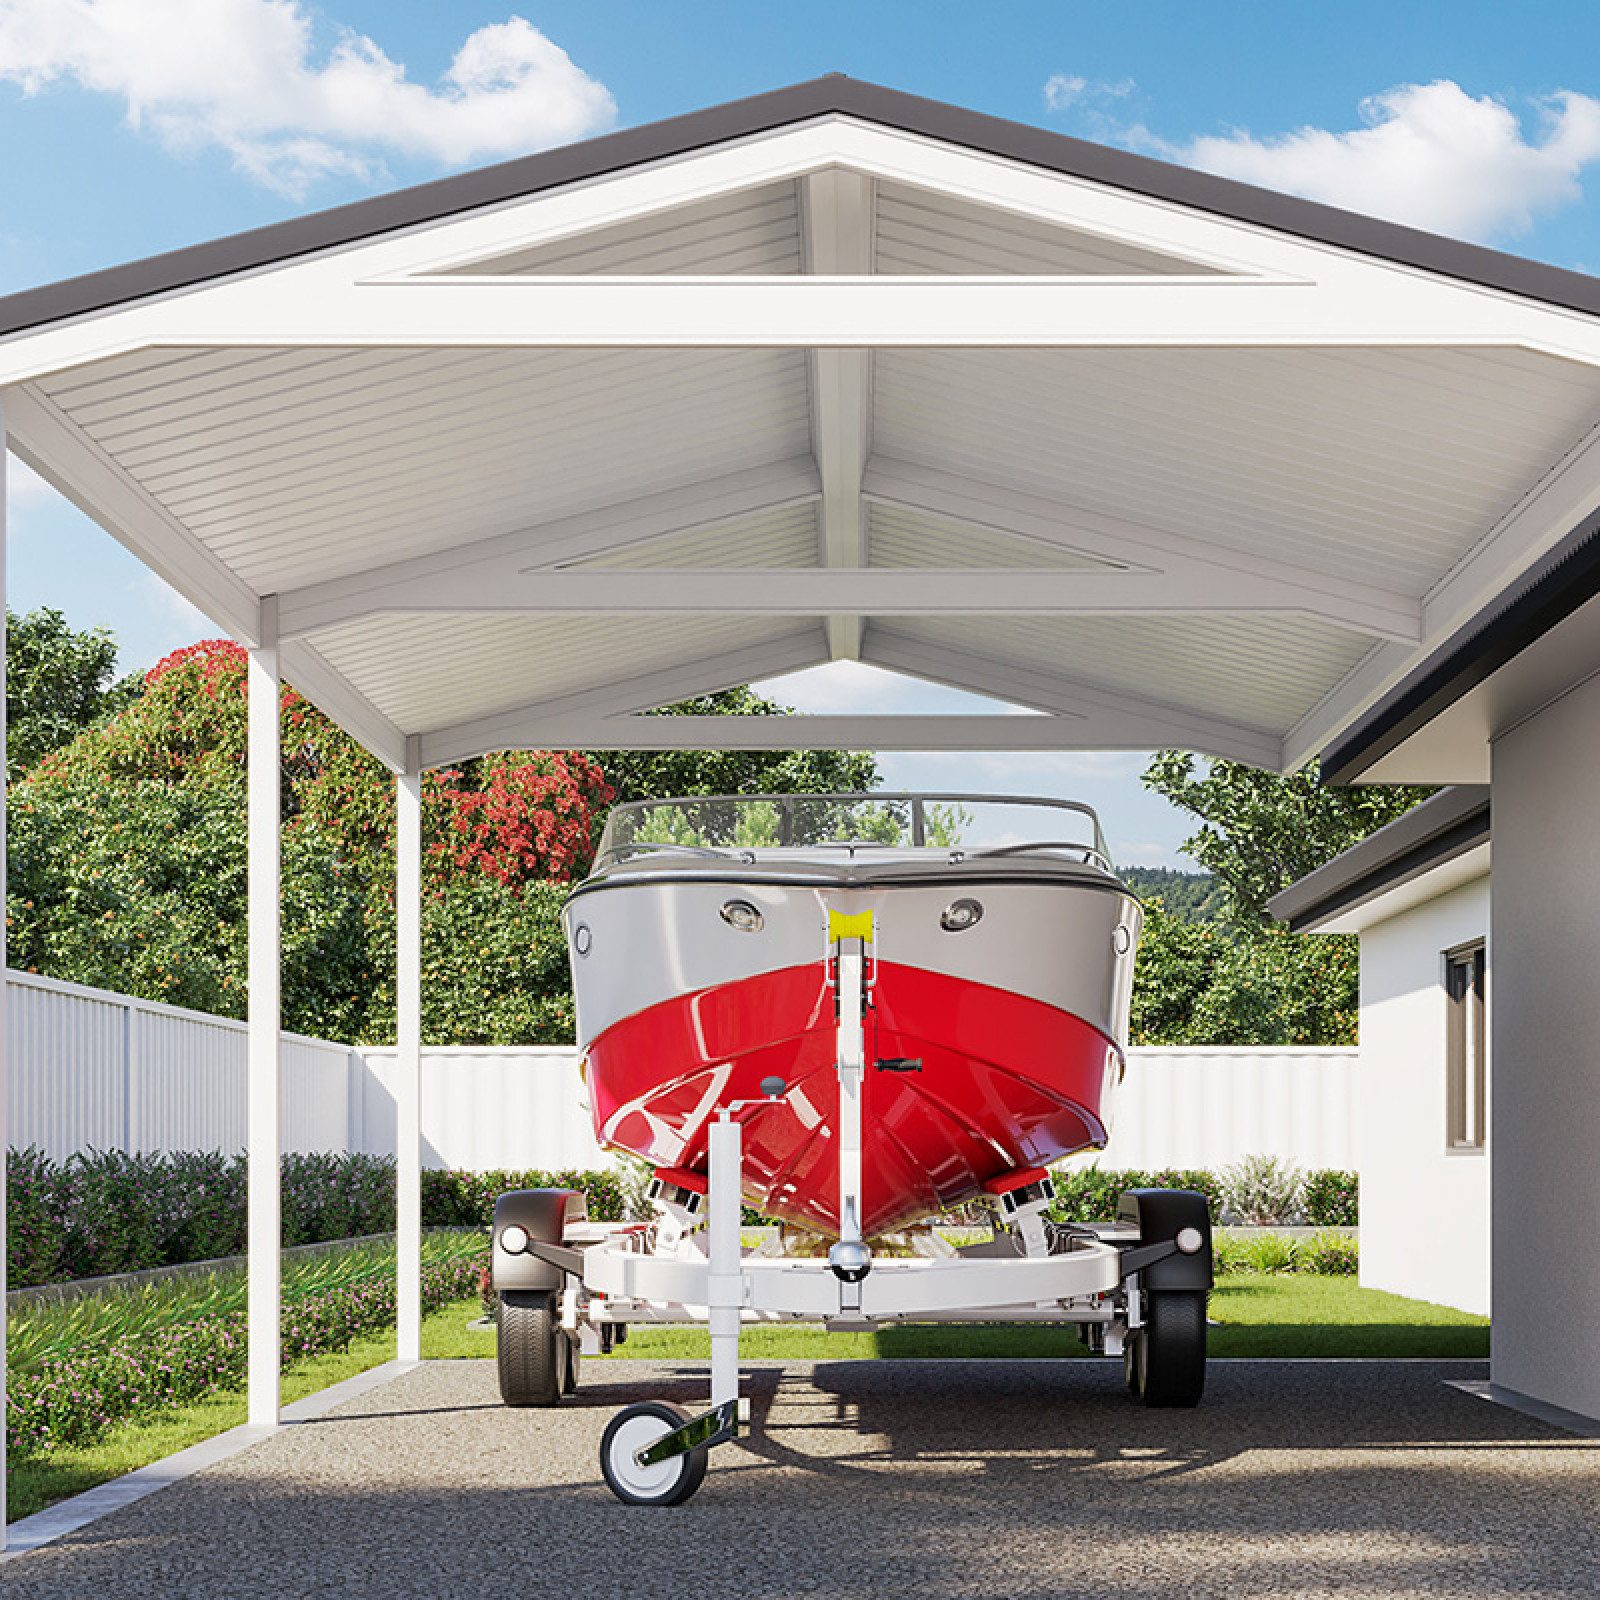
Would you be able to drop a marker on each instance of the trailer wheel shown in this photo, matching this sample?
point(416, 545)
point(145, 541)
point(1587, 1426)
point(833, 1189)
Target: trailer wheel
point(666, 1483)
point(531, 1360)
point(1170, 1355)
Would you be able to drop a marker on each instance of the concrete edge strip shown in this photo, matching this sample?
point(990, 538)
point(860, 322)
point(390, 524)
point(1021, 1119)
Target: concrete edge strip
point(68, 1516)
point(1540, 1410)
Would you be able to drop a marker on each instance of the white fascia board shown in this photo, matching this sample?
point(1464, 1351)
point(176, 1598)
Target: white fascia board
point(1214, 576)
point(69, 460)
point(547, 724)
point(487, 566)
point(1109, 719)
point(834, 592)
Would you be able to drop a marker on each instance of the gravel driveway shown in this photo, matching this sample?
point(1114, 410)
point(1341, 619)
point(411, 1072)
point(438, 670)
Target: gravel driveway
point(862, 1480)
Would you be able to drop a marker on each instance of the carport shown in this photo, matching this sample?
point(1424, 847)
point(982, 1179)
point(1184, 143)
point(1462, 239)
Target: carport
point(833, 373)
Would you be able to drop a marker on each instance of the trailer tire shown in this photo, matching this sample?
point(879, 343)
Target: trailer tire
point(667, 1483)
point(530, 1357)
point(1170, 1356)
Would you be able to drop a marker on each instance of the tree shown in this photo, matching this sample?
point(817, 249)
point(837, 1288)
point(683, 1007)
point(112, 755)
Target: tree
point(1260, 832)
point(128, 861)
point(58, 682)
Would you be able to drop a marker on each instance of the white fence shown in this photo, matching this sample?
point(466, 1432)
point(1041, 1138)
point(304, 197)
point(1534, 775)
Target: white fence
point(91, 1069)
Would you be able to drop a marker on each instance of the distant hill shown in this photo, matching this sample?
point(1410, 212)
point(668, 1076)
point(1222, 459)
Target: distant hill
point(1191, 896)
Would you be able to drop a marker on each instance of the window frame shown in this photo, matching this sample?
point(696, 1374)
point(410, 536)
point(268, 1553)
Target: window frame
point(1465, 979)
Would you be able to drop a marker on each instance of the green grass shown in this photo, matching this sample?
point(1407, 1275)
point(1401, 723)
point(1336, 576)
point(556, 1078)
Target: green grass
point(1260, 1316)
point(37, 1482)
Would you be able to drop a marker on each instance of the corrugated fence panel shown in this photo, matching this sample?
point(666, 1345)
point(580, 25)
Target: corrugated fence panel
point(69, 1090)
point(314, 1094)
point(188, 1082)
point(96, 1070)
point(1210, 1107)
point(484, 1108)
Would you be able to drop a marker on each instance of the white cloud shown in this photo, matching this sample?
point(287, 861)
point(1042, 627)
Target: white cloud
point(246, 75)
point(1063, 90)
point(1428, 155)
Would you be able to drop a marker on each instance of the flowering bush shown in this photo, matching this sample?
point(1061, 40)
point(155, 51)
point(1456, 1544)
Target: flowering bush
point(77, 1398)
point(103, 1212)
point(1331, 1199)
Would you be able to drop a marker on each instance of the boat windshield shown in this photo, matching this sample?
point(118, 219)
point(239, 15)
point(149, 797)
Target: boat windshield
point(964, 824)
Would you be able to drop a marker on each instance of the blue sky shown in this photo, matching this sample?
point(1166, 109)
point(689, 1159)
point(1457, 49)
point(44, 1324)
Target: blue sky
point(134, 126)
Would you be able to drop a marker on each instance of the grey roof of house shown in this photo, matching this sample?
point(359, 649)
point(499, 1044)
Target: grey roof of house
point(1443, 827)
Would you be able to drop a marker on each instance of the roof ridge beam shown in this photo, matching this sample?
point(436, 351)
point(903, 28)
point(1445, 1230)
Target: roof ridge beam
point(838, 232)
point(1213, 575)
point(486, 565)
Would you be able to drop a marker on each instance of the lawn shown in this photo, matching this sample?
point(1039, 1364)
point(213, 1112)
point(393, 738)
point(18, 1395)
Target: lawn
point(1259, 1316)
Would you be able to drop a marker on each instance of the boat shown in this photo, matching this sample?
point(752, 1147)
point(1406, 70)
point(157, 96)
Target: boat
point(990, 946)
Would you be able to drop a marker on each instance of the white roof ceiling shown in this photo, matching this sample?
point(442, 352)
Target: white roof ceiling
point(829, 385)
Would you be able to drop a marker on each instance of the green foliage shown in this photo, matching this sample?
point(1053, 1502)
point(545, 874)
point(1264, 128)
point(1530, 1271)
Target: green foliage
point(1188, 896)
point(1089, 1194)
point(1260, 832)
point(102, 1212)
point(1331, 1199)
point(466, 1199)
point(58, 683)
point(1197, 984)
point(1328, 1254)
point(128, 860)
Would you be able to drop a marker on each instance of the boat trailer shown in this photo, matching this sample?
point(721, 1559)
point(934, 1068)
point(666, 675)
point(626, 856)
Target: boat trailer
point(565, 1286)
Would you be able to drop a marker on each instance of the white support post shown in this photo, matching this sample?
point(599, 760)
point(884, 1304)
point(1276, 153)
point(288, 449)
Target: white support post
point(5, 1070)
point(265, 1137)
point(408, 1040)
point(724, 1282)
point(851, 1068)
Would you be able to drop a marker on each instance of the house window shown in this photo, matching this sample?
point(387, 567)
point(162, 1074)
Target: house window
point(1467, 1048)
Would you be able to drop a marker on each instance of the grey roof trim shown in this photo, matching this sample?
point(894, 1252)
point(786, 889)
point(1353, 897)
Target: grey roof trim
point(1566, 579)
point(1443, 827)
point(830, 95)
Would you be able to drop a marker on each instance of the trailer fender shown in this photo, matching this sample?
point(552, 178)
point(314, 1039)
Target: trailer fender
point(546, 1214)
point(1161, 1215)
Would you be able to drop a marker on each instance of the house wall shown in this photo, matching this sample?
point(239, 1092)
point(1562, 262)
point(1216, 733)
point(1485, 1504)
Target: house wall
point(1545, 1106)
point(1425, 1229)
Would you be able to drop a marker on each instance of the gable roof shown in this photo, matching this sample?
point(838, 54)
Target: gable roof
point(833, 372)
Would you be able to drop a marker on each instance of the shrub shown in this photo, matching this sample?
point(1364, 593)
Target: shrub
point(1268, 1252)
point(1262, 1190)
point(1331, 1254)
point(1089, 1194)
point(104, 1212)
point(1332, 1199)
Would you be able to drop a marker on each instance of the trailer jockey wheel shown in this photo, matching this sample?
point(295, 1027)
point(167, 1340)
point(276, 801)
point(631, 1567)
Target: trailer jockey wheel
point(663, 1483)
point(532, 1362)
point(1169, 1356)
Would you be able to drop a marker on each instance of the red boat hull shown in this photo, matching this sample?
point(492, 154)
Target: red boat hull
point(1006, 1081)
